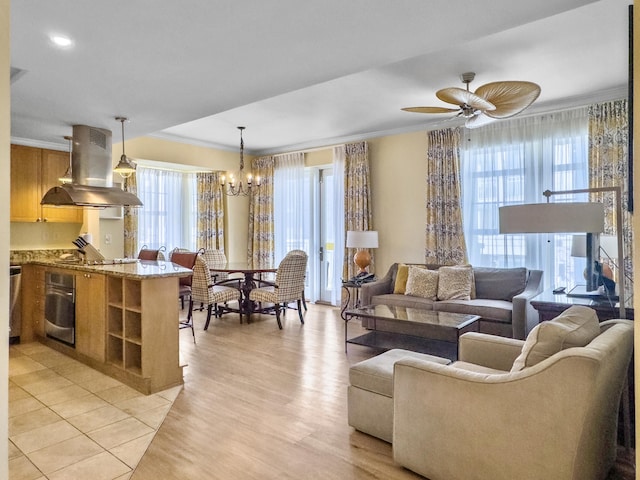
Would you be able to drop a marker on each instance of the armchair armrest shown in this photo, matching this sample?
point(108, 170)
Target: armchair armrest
point(523, 316)
point(489, 350)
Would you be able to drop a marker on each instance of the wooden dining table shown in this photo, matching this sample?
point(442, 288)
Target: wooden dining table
point(248, 283)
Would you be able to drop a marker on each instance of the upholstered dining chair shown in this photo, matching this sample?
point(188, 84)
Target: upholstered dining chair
point(288, 287)
point(301, 252)
point(216, 259)
point(205, 291)
point(185, 259)
point(146, 253)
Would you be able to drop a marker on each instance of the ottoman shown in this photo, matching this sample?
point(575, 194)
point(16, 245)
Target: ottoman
point(370, 393)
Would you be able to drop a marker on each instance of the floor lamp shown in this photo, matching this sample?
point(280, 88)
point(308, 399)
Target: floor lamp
point(569, 217)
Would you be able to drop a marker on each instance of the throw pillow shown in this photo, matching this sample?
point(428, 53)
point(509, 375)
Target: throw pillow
point(454, 282)
point(422, 283)
point(575, 327)
point(500, 283)
point(401, 279)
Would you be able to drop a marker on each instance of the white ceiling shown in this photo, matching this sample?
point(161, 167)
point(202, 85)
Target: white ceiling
point(297, 74)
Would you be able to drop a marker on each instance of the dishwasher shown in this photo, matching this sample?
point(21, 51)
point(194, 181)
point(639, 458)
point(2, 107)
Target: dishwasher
point(15, 317)
point(59, 307)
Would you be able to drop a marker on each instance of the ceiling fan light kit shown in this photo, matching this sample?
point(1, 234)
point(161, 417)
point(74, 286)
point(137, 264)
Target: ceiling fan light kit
point(492, 101)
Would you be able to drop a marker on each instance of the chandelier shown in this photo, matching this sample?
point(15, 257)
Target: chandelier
point(239, 183)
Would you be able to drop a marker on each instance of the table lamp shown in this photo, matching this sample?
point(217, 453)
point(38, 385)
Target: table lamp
point(362, 240)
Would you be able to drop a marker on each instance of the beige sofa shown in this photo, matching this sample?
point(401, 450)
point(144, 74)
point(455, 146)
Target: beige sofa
point(501, 296)
point(496, 415)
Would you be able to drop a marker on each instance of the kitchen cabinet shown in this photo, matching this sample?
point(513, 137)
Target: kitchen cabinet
point(142, 340)
point(90, 314)
point(32, 289)
point(126, 319)
point(33, 172)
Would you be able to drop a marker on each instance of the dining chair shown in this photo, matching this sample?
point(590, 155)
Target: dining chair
point(301, 252)
point(288, 287)
point(216, 259)
point(146, 253)
point(205, 291)
point(185, 259)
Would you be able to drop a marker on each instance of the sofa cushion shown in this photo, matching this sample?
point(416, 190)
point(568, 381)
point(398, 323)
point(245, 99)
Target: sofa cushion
point(397, 300)
point(422, 283)
point(376, 373)
point(575, 327)
point(499, 283)
point(454, 282)
point(496, 310)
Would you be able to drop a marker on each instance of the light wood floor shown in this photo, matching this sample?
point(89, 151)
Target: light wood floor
point(262, 403)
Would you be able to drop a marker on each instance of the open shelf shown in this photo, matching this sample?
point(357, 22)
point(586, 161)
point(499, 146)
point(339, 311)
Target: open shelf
point(133, 326)
point(132, 294)
point(115, 350)
point(114, 325)
point(133, 357)
point(114, 291)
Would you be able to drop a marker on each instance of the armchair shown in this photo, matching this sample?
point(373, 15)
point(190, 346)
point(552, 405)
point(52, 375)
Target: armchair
point(482, 418)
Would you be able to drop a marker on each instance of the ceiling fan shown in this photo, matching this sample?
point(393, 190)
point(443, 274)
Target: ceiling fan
point(490, 102)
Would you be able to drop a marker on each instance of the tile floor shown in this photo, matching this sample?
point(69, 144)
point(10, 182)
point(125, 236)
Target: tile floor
point(68, 421)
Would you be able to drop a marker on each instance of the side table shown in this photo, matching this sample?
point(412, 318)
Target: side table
point(348, 287)
point(550, 305)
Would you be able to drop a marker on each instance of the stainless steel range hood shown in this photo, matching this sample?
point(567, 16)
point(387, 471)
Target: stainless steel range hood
point(92, 174)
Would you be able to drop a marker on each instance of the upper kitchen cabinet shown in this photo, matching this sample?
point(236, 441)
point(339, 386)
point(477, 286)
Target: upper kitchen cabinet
point(33, 172)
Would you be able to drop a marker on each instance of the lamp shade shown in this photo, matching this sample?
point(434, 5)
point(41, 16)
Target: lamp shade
point(579, 246)
point(552, 218)
point(609, 246)
point(362, 239)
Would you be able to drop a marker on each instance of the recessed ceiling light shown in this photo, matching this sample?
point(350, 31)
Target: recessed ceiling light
point(61, 41)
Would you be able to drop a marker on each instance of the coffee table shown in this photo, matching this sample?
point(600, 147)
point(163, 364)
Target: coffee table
point(416, 329)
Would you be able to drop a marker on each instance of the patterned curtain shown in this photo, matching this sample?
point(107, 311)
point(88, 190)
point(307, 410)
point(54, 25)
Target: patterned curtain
point(357, 198)
point(608, 166)
point(210, 211)
point(444, 230)
point(260, 250)
point(130, 221)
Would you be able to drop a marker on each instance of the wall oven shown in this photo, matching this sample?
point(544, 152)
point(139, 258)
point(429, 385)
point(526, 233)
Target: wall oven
point(59, 307)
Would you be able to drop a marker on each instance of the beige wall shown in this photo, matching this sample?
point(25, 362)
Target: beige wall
point(5, 165)
point(398, 171)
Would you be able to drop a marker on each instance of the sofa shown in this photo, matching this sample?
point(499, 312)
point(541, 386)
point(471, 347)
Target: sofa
point(546, 408)
point(500, 296)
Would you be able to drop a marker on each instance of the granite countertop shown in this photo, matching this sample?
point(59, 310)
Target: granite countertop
point(141, 269)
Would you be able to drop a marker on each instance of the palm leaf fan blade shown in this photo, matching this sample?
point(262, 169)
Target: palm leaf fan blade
point(429, 109)
point(510, 98)
point(479, 120)
point(458, 96)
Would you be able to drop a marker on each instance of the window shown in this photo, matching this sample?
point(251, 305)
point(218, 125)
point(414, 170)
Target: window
point(513, 162)
point(170, 208)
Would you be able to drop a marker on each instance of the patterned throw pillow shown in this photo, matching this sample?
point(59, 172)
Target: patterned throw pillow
point(455, 282)
point(422, 283)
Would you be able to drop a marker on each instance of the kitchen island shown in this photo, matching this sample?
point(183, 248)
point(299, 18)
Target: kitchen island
point(126, 318)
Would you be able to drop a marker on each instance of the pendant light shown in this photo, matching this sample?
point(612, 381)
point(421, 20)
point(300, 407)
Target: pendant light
point(125, 166)
point(67, 178)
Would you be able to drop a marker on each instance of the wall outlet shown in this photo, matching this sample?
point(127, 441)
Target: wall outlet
point(107, 239)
